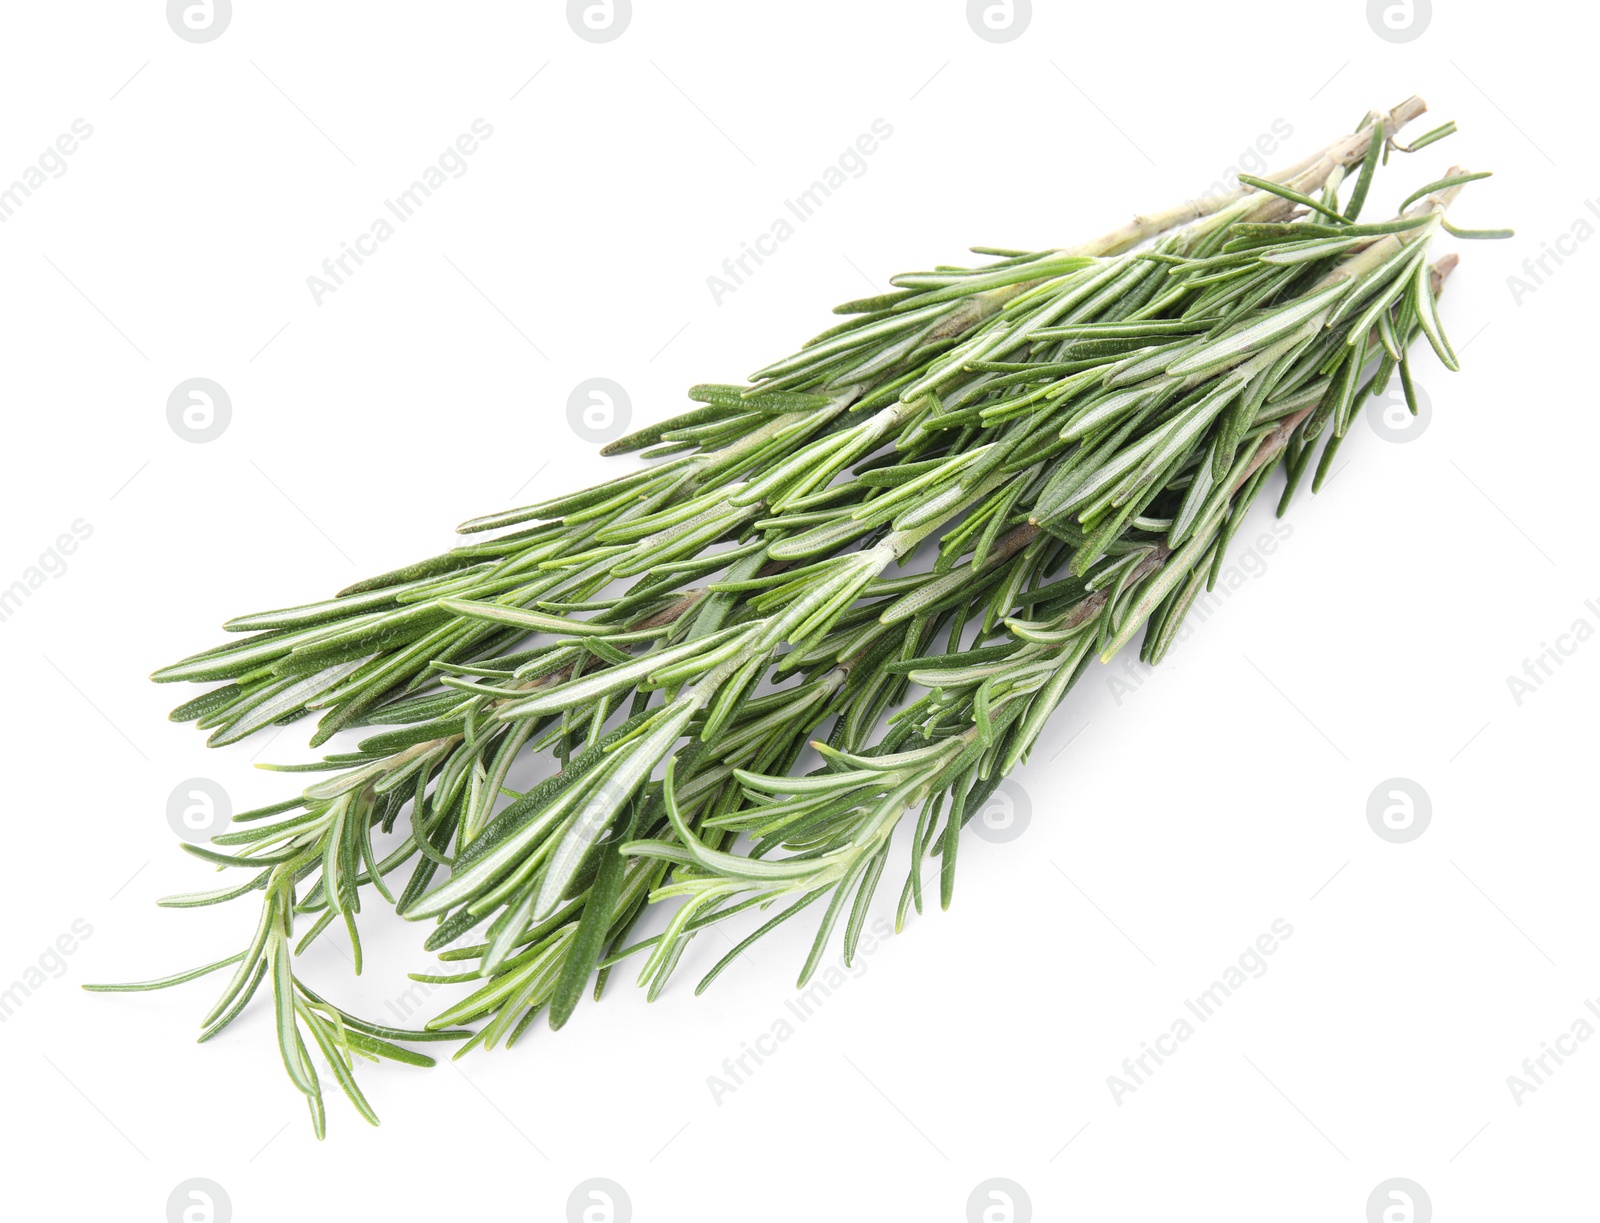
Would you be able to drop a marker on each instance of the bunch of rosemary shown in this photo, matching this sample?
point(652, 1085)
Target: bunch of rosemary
point(972, 487)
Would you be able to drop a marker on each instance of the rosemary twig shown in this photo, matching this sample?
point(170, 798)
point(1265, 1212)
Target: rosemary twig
point(973, 486)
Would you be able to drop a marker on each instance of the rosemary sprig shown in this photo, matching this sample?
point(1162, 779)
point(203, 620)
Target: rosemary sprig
point(1071, 437)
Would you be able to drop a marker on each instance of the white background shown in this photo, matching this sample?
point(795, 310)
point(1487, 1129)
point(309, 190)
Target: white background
point(1195, 804)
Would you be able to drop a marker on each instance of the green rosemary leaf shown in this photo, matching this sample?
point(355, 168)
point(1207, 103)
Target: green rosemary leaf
point(164, 982)
point(1369, 165)
point(1296, 197)
point(1452, 180)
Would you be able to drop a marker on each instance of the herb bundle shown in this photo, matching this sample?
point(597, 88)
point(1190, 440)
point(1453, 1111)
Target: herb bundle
point(940, 512)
